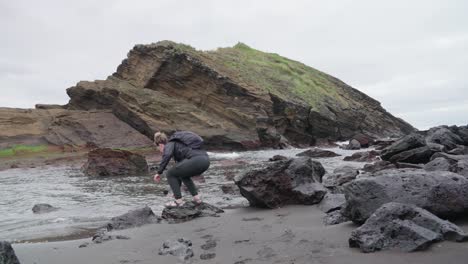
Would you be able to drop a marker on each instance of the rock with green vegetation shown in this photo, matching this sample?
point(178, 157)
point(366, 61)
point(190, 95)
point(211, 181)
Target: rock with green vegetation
point(235, 97)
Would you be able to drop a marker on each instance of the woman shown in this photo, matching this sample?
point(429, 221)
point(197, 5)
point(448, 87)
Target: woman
point(187, 150)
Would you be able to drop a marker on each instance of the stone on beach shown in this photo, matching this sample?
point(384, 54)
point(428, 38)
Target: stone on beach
point(442, 193)
point(133, 218)
point(43, 208)
point(403, 227)
point(109, 162)
point(340, 176)
point(189, 211)
point(366, 156)
point(295, 181)
point(181, 248)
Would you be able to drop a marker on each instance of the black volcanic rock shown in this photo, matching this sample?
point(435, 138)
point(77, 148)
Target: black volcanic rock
point(406, 143)
point(441, 193)
point(295, 181)
point(403, 227)
point(7, 254)
point(318, 153)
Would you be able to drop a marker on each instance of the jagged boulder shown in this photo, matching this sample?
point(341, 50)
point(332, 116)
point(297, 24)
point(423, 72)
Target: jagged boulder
point(110, 162)
point(7, 254)
point(385, 165)
point(43, 208)
point(442, 193)
point(318, 153)
point(403, 227)
point(277, 157)
point(439, 164)
point(340, 176)
point(133, 218)
point(335, 217)
point(295, 181)
point(414, 156)
point(365, 156)
point(352, 145)
point(189, 211)
point(459, 150)
point(406, 143)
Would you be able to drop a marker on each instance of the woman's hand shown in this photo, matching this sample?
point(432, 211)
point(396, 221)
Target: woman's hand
point(157, 178)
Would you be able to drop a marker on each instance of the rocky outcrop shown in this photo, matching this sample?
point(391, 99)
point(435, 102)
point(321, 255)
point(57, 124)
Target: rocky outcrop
point(317, 153)
point(441, 193)
point(180, 248)
point(43, 208)
point(109, 162)
point(295, 181)
point(226, 96)
point(189, 211)
point(403, 227)
point(7, 254)
point(406, 143)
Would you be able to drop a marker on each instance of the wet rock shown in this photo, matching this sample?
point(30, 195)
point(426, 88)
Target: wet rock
point(452, 158)
point(317, 153)
point(352, 145)
point(443, 136)
point(133, 218)
point(438, 164)
point(340, 176)
point(403, 227)
point(332, 202)
point(181, 248)
point(335, 217)
point(406, 143)
point(462, 167)
point(109, 162)
point(102, 236)
point(14, 166)
point(295, 181)
point(277, 157)
point(206, 256)
point(190, 211)
point(43, 208)
point(83, 245)
point(462, 132)
point(414, 156)
point(7, 254)
point(444, 194)
point(366, 156)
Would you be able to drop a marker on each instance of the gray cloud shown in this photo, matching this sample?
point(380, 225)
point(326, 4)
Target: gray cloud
point(410, 55)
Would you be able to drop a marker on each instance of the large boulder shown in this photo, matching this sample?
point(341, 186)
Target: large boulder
point(332, 202)
point(133, 218)
point(439, 164)
point(110, 162)
point(385, 165)
point(364, 140)
point(318, 153)
point(403, 227)
point(462, 132)
point(408, 142)
point(7, 254)
point(414, 156)
point(189, 211)
point(295, 181)
point(442, 193)
point(444, 136)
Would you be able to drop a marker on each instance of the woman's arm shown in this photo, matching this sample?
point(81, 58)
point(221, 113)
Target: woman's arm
point(167, 155)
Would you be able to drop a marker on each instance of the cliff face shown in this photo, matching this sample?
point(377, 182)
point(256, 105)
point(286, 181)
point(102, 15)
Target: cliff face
point(236, 98)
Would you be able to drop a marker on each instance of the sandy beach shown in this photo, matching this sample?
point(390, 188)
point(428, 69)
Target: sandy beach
point(293, 234)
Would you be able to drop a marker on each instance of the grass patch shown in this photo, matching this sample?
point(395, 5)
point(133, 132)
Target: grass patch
point(21, 150)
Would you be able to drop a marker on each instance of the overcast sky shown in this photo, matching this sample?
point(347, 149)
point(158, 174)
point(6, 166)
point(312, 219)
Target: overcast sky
point(412, 56)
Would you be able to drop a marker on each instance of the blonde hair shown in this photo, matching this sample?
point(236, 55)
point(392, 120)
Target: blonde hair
point(160, 138)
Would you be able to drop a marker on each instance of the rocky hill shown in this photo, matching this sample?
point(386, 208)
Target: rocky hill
point(236, 98)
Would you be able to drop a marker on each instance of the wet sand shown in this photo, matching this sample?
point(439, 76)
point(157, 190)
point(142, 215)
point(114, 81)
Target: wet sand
point(294, 234)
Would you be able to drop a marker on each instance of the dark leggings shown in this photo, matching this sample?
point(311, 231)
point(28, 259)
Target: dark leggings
point(183, 171)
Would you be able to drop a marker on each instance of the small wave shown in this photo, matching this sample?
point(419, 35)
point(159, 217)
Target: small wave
point(231, 155)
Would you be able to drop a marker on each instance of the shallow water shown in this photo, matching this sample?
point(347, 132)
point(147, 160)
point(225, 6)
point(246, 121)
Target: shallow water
point(86, 203)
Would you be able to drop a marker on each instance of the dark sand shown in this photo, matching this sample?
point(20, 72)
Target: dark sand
point(294, 234)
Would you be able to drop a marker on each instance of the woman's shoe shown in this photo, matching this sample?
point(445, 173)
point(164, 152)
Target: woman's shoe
point(174, 204)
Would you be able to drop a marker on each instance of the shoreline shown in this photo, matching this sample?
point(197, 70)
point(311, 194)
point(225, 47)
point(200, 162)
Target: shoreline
point(292, 234)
